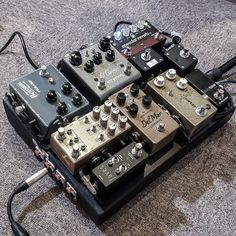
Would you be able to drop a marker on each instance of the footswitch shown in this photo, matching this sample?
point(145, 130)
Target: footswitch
point(214, 92)
point(120, 166)
point(180, 59)
point(77, 142)
point(44, 95)
point(133, 39)
point(100, 70)
point(154, 124)
point(182, 99)
point(148, 62)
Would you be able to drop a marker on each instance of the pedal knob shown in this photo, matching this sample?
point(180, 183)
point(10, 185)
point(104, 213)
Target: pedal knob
point(134, 90)
point(77, 99)
point(75, 151)
point(89, 66)
point(75, 58)
point(44, 72)
point(137, 150)
point(66, 88)
point(147, 100)
point(96, 112)
point(62, 108)
point(182, 83)
point(126, 32)
point(133, 28)
point(110, 55)
point(104, 44)
point(61, 134)
point(133, 109)
point(117, 35)
point(159, 81)
point(103, 120)
point(171, 74)
point(107, 106)
point(146, 55)
point(97, 58)
point(115, 113)
point(112, 129)
point(141, 24)
point(184, 53)
point(120, 98)
point(51, 96)
point(122, 121)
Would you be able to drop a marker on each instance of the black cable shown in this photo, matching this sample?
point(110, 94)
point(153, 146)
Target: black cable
point(228, 65)
point(216, 73)
point(227, 82)
point(121, 23)
point(23, 46)
point(17, 229)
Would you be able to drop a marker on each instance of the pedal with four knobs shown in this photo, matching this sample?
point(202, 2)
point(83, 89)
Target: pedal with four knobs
point(100, 70)
point(146, 117)
point(180, 59)
point(44, 95)
point(77, 142)
point(181, 99)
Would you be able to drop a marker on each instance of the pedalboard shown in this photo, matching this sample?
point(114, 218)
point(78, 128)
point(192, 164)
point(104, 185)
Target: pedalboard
point(206, 86)
point(181, 99)
point(43, 95)
point(131, 159)
point(145, 116)
point(79, 141)
point(100, 70)
point(143, 107)
point(179, 58)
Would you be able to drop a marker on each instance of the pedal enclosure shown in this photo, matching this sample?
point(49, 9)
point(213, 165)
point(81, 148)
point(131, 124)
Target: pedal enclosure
point(183, 103)
point(83, 133)
point(138, 41)
point(112, 72)
point(107, 173)
point(31, 90)
point(217, 94)
point(182, 65)
point(147, 120)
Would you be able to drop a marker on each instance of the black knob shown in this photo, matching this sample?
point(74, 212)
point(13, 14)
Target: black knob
point(147, 100)
point(75, 58)
point(120, 98)
point(77, 99)
point(134, 90)
point(62, 108)
point(51, 96)
point(110, 55)
point(133, 109)
point(89, 66)
point(97, 58)
point(104, 44)
point(66, 88)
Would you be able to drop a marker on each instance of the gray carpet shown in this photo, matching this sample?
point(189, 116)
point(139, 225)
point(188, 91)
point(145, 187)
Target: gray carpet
point(197, 196)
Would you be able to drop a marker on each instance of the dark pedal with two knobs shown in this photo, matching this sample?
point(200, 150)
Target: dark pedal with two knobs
point(44, 95)
point(146, 117)
point(100, 70)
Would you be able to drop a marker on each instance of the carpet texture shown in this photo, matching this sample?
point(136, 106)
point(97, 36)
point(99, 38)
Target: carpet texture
point(197, 196)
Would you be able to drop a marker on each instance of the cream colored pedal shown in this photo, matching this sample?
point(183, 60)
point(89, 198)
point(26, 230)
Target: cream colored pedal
point(154, 124)
point(77, 142)
point(181, 99)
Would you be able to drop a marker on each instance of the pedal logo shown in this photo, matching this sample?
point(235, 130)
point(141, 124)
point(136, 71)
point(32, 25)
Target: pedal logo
point(27, 89)
point(150, 119)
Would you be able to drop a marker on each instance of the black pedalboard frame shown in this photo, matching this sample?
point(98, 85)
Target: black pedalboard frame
point(97, 210)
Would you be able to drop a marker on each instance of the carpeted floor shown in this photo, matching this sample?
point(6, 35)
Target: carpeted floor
point(197, 196)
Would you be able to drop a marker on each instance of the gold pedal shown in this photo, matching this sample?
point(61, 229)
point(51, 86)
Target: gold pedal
point(146, 117)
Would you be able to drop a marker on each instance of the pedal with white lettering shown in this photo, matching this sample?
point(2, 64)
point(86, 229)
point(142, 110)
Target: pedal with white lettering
point(43, 96)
